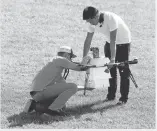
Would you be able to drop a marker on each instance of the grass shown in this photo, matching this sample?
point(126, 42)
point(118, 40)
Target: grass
point(32, 31)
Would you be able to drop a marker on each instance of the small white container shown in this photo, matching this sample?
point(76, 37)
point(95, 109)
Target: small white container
point(97, 76)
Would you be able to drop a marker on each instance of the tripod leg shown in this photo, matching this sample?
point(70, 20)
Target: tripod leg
point(132, 78)
point(86, 82)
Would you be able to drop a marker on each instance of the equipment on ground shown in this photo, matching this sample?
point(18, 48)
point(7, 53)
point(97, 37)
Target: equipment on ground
point(95, 51)
point(134, 61)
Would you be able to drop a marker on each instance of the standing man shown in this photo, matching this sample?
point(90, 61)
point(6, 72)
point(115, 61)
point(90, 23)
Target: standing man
point(117, 47)
point(49, 90)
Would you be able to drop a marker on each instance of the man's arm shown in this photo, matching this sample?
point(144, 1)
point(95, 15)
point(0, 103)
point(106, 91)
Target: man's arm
point(113, 45)
point(87, 43)
point(65, 63)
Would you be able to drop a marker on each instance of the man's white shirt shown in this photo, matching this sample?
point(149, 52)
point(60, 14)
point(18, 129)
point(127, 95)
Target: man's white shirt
point(110, 23)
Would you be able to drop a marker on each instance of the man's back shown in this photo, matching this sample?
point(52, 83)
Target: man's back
point(49, 74)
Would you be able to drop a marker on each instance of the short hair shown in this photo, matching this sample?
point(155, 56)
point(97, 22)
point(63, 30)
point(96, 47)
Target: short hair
point(89, 12)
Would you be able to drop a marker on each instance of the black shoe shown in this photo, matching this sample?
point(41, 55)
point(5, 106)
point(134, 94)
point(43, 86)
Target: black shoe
point(40, 107)
point(109, 99)
point(30, 106)
point(121, 102)
point(56, 112)
point(63, 108)
point(59, 112)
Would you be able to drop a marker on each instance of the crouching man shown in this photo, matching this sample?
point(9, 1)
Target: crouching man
point(49, 89)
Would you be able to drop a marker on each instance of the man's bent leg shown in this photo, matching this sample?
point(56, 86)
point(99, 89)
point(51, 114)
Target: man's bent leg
point(69, 90)
point(43, 99)
point(51, 95)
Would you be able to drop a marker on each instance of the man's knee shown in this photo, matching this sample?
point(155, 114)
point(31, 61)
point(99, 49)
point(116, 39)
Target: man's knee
point(73, 87)
point(125, 73)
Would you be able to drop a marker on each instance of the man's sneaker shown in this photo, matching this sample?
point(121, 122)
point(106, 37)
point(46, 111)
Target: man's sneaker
point(29, 107)
point(59, 112)
point(55, 112)
point(39, 107)
point(63, 108)
point(121, 102)
point(109, 99)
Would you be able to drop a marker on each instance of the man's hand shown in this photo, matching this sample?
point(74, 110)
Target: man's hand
point(111, 64)
point(85, 60)
point(84, 68)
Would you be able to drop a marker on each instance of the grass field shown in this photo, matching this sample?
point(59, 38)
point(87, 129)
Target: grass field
point(31, 32)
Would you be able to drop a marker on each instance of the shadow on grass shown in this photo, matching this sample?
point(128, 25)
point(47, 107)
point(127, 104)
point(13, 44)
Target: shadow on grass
point(76, 112)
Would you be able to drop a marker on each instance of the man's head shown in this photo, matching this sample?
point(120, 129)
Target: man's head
point(91, 15)
point(66, 52)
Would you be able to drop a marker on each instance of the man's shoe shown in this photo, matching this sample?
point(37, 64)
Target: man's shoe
point(59, 112)
point(40, 107)
point(121, 102)
point(29, 107)
point(55, 112)
point(109, 99)
point(63, 108)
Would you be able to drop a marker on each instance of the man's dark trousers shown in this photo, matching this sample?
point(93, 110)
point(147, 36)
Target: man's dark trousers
point(122, 54)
